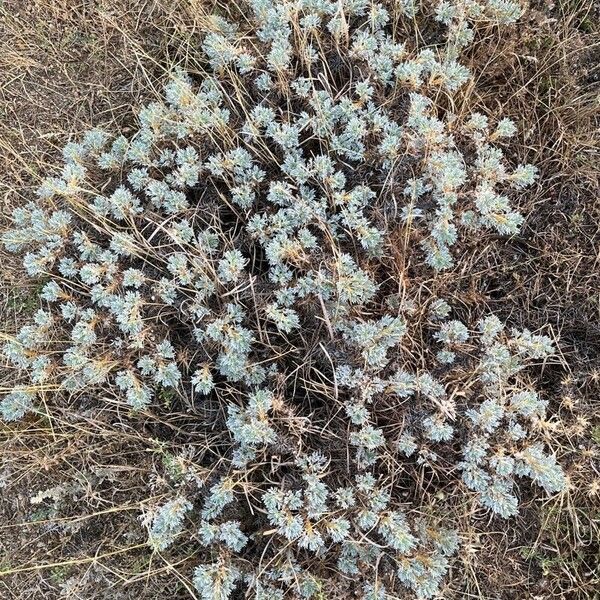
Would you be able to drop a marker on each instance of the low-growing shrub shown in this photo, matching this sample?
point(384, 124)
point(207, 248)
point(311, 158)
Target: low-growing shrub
point(249, 249)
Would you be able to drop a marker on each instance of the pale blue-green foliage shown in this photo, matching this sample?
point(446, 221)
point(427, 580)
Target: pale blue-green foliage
point(437, 429)
point(285, 319)
point(221, 49)
point(47, 232)
point(424, 575)
point(396, 532)
point(375, 338)
point(229, 533)
point(216, 581)
point(202, 380)
point(231, 266)
point(439, 309)
point(220, 495)
point(235, 343)
point(543, 469)
point(488, 416)
point(374, 592)
point(369, 513)
point(406, 444)
point(498, 449)
point(528, 403)
point(137, 394)
point(168, 523)
point(367, 440)
point(51, 292)
point(452, 332)
point(162, 366)
point(446, 357)
point(250, 426)
point(133, 278)
point(240, 248)
point(497, 494)
point(16, 404)
point(280, 506)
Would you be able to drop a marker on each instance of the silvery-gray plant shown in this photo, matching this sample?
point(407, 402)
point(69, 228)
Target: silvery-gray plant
point(247, 223)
